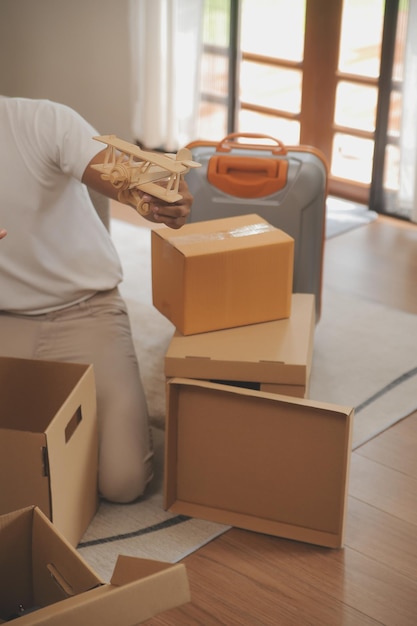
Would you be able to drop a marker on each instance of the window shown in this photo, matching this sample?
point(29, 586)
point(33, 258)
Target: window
point(308, 75)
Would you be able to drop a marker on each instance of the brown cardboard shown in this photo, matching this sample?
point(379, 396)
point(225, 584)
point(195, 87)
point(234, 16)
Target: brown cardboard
point(273, 356)
point(38, 567)
point(259, 461)
point(48, 441)
point(222, 273)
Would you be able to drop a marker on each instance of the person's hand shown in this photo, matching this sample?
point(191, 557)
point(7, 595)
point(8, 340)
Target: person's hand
point(3, 233)
point(173, 214)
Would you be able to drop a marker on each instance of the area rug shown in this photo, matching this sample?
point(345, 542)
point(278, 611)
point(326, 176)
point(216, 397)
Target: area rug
point(365, 356)
point(343, 215)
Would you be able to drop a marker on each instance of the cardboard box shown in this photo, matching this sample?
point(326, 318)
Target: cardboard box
point(222, 273)
point(39, 569)
point(48, 441)
point(256, 460)
point(272, 356)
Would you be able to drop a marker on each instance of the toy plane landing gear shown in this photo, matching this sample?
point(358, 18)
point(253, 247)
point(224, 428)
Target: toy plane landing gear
point(130, 169)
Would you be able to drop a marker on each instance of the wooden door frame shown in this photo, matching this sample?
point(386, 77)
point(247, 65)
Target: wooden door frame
point(323, 28)
point(320, 79)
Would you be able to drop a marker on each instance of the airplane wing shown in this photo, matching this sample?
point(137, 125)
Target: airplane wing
point(156, 158)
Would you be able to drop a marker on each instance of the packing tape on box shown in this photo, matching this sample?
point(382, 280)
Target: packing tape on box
point(243, 231)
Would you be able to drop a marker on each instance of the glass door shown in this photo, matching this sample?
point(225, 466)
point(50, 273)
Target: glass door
point(305, 75)
point(393, 188)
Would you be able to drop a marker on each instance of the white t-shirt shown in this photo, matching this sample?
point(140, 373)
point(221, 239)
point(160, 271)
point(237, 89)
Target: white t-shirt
point(57, 251)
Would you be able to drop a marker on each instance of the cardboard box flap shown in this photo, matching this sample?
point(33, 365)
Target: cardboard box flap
point(58, 571)
point(38, 567)
point(128, 569)
point(271, 352)
point(17, 487)
point(25, 405)
point(124, 605)
point(15, 561)
point(73, 443)
point(41, 570)
point(261, 461)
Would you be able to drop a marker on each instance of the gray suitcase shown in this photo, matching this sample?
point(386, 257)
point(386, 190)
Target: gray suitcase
point(287, 186)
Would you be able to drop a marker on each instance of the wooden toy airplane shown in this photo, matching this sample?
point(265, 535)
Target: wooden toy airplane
point(128, 167)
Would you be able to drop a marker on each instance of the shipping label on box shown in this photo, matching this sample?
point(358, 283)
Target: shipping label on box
point(259, 461)
point(49, 441)
point(222, 273)
point(272, 356)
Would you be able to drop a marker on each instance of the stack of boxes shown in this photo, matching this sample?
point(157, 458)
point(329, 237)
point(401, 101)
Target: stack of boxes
point(244, 445)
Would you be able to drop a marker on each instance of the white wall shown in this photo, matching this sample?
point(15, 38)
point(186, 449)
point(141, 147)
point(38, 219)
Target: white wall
point(71, 51)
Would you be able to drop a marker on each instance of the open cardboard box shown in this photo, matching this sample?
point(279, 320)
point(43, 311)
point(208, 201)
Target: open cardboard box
point(48, 441)
point(260, 461)
point(222, 273)
point(273, 356)
point(40, 570)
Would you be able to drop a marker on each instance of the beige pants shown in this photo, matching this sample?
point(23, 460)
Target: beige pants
point(96, 331)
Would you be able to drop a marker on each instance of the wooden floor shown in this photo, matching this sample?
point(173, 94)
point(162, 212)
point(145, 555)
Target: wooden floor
point(244, 578)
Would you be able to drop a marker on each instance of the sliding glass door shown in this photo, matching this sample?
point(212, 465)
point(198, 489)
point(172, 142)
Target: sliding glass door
point(304, 72)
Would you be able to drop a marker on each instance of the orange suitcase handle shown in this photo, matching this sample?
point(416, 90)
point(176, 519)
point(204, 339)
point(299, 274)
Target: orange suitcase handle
point(229, 142)
point(276, 147)
point(250, 176)
point(247, 177)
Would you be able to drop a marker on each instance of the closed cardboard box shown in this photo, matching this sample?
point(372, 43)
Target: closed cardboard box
point(48, 441)
point(46, 582)
point(222, 273)
point(272, 356)
point(260, 461)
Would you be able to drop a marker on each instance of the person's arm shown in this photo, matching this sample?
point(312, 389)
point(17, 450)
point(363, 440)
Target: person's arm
point(3, 233)
point(173, 215)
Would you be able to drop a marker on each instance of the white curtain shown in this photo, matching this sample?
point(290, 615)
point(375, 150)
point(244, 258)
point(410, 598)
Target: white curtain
point(407, 197)
point(166, 43)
